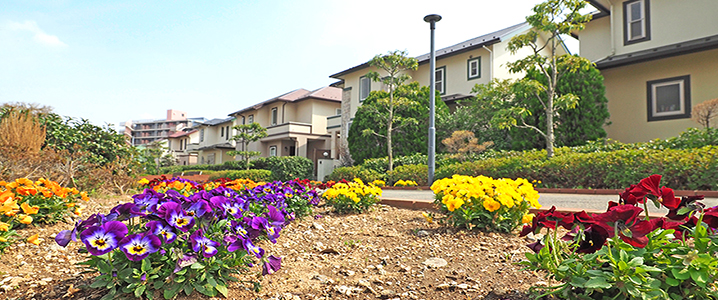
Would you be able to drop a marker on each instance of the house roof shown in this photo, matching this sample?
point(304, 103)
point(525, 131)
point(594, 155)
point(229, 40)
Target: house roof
point(217, 121)
point(218, 146)
point(696, 45)
point(477, 42)
point(181, 133)
point(327, 93)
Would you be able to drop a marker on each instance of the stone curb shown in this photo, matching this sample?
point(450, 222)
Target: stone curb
point(710, 194)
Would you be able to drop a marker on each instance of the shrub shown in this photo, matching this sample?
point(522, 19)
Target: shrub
point(254, 175)
point(349, 173)
point(485, 203)
point(352, 197)
point(417, 173)
point(620, 254)
point(286, 168)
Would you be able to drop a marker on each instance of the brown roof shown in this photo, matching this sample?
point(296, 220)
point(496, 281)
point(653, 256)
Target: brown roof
point(327, 93)
point(180, 133)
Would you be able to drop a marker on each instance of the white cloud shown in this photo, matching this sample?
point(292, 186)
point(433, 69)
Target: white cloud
point(40, 36)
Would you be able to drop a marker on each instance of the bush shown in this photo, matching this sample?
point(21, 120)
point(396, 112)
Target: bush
point(484, 203)
point(416, 173)
point(285, 168)
point(349, 173)
point(684, 169)
point(254, 175)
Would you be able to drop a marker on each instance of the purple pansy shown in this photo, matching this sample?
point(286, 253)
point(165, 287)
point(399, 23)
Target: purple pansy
point(175, 216)
point(202, 244)
point(103, 239)
point(138, 246)
point(186, 260)
point(163, 230)
point(127, 211)
point(272, 265)
point(198, 209)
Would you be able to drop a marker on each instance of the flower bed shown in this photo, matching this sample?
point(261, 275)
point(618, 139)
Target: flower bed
point(180, 236)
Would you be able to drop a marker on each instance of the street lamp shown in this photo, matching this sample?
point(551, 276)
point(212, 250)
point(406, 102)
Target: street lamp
point(432, 19)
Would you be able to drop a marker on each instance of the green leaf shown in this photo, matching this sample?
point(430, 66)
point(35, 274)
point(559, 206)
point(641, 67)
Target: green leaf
point(104, 267)
point(197, 266)
point(597, 283)
point(222, 289)
point(98, 284)
point(699, 277)
point(140, 290)
point(179, 279)
point(188, 289)
point(181, 272)
point(680, 274)
point(124, 274)
point(211, 281)
point(672, 281)
point(146, 265)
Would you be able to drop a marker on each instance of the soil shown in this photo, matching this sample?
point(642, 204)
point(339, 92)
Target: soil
point(387, 253)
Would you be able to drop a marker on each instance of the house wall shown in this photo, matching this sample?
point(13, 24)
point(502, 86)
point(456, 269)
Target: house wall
point(671, 22)
point(627, 94)
point(456, 71)
point(320, 111)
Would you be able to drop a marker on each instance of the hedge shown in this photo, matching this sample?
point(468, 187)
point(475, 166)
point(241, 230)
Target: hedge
point(682, 169)
point(349, 173)
point(417, 173)
point(254, 175)
point(282, 168)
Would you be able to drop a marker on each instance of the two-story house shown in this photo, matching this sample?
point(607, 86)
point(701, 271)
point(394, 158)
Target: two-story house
point(178, 146)
point(659, 58)
point(458, 69)
point(296, 123)
point(213, 141)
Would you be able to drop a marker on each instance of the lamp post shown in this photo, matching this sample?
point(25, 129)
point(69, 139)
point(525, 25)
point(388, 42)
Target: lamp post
point(432, 19)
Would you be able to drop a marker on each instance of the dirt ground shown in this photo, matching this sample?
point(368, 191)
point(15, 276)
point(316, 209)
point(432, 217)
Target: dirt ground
point(388, 253)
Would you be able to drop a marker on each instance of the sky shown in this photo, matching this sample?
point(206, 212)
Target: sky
point(113, 61)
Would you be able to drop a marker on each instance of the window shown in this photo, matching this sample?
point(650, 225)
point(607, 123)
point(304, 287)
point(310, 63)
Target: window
point(227, 130)
point(221, 132)
point(440, 76)
point(250, 119)
point(473, 67)
point(339, 111)
point(274, 116)
point(669, 98)
point(273, 151)
point(201, 135)
point(364, 87)
point(636, 22)
point(243, 120)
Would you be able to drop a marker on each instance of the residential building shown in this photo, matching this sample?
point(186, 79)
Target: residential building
point(146, 131)
point(659, 58)
point(212, 141)
point(296, 123)
point(459, 68)
point(178, 144)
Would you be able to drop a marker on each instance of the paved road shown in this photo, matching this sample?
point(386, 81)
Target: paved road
point(566, 201)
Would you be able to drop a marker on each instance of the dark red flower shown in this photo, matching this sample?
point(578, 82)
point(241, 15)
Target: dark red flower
point(664, 195)
point(688, 204)
point(548, 219)
point(623, 220)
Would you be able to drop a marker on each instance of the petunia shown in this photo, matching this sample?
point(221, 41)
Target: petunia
point(163, 230)
point(202, 244)
point(138, 246)
point(273, 264)
point(103, 239)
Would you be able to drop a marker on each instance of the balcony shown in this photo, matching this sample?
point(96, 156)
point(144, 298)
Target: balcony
point(291, 127)
point(334, 122)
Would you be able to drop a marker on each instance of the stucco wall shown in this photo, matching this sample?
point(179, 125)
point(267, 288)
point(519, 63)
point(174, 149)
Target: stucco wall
point(627, 94)
point(670, 21)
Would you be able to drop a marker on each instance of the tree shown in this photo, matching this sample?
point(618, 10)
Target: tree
point(410, 128)
point(463, 142)
point(573, 127)
point(551, 19)
point(704, 112)
point(248, 133)
point(395, 64)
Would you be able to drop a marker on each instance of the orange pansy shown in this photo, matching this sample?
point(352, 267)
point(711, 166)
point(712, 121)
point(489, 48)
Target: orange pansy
point(34, 239)
point(30, 210)
point(25, 219)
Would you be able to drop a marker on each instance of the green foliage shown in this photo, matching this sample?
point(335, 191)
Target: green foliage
point(367, 133)
point(575, 126)
point(285, 168)
point(229, 165)
point(685, 169)
point(349, 173)
point(416, 173)
point(254, 175)
point(551, 19)
point(247, 134)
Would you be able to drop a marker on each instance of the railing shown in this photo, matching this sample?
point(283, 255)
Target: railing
point(290, 127)
point(334, 122)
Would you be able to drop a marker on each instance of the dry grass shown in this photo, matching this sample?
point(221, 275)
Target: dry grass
point(20, 130)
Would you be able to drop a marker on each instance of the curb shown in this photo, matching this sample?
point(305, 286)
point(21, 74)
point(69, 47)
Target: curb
point(710, 194)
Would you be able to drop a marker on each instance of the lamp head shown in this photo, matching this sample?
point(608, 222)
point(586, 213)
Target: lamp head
point(433, 18)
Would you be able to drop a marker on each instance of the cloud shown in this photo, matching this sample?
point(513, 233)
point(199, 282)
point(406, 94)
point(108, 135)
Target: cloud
point(40, 36)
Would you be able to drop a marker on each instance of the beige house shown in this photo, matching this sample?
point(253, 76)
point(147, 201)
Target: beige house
point(213, 141)
point(178, 143)
point(458, 69)
point(296, 123)
point(659, 58)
